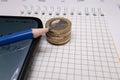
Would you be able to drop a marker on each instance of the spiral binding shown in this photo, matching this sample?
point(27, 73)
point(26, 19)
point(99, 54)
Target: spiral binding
point(59, 10)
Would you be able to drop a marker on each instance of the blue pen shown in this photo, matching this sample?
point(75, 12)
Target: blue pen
point(22, 35)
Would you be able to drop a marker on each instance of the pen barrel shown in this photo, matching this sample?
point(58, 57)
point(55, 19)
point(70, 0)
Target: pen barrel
point(15, 37)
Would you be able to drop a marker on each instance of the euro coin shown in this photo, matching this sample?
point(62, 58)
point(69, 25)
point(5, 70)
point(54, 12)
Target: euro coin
point(60, 32)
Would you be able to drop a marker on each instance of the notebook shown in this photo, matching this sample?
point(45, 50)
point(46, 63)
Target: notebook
point(90, 55)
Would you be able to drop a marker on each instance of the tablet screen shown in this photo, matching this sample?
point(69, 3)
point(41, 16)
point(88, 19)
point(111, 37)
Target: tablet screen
point(12, 56)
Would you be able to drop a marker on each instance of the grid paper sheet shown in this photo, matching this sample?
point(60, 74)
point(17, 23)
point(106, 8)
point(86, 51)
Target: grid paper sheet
point(90, 54)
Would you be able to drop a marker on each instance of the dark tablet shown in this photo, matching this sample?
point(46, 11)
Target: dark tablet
point(14, 57)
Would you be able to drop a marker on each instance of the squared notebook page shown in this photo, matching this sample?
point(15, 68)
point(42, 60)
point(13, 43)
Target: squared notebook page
point(90, 54)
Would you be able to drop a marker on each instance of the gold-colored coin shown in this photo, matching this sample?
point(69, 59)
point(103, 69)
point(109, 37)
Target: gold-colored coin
point(60, 32)
point(60, 42)
point(56, 35)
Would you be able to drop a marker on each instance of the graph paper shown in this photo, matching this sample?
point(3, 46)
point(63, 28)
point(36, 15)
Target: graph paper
point(90, 54)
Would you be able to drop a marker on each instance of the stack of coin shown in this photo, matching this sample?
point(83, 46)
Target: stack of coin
point(60, 32)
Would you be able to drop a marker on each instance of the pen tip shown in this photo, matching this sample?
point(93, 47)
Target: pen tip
point(39, 31)
point(45, 30)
